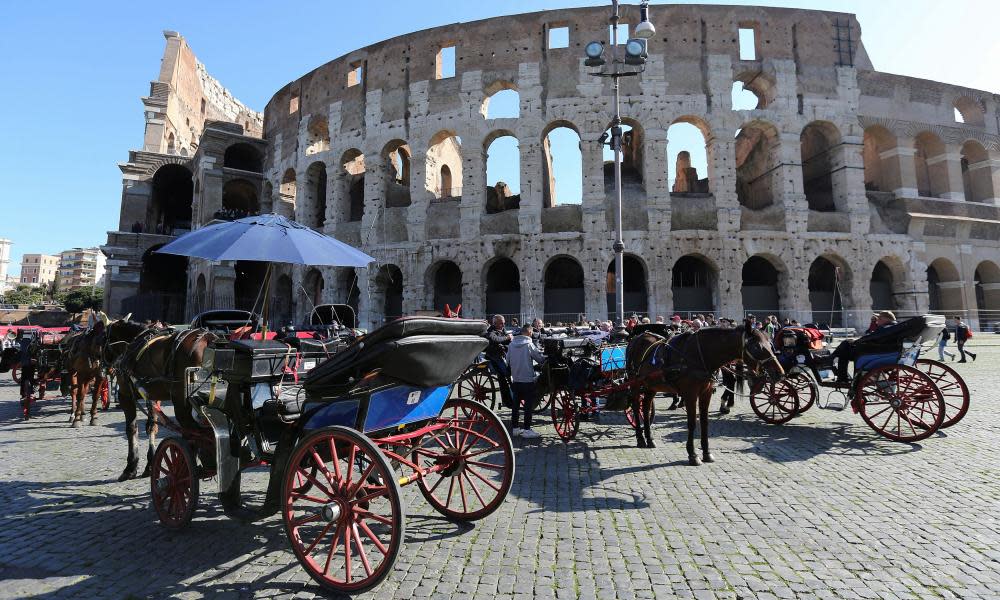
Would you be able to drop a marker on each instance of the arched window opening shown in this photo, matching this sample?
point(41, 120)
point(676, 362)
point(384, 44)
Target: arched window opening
point(248, 285)
point(286, 193)
point(987, 286)
point(170, 204)
point(239, 199)
point(758, 160)
point(162, 288)
point(632, 153)
point(636, 297)
point(564, 292)
point(562, 169)
point(503, 288)
point(353, 185)
point(944, 287)
point(389, 286)
point(244, 157)
point(970, 112)
point(826, 280)
point(742, 98)
point(171, 148)
point(977, 175)
point(317, 136)
point(753, 90)
point(447, 286)
point(348, 291)
point(504, 104)
point(444, 159)
point(503, 174)
point(693, 283)
point(397, 160)
point(930, 166)
point(312, 285)
point(314, 212)
point(881, 288)
point(687, 159)
point(881, 174)
point(819, 142)
point(760, 287)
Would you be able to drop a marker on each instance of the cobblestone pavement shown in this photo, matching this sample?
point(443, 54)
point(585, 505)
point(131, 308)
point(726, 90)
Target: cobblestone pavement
point(818, 508)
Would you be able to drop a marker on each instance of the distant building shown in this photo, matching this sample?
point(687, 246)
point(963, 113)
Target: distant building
point(39, 269)
point(80, 268)
point(5, 245)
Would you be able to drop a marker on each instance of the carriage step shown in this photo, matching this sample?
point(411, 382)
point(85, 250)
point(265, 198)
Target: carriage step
point(835, 400)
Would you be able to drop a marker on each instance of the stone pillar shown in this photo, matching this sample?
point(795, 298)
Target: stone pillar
point(420, 198)
point(901, 159)
point(592, 205)
point(657, 188)
point(946, 170)
point(369, 315)
point(331, 216)
point(721, 151)
point(788, 188)
point(529, 217)
point(532, 284)
point(375, 178)
point(595, 286)
point(849, 183)
point(473, 203)
point(472, 290)
point(223, 285)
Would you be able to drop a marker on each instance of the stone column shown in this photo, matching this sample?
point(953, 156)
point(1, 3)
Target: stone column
point(473, 203)
point(375, 177)
point(592, 204)
point(901, 161)
point(472, 290)
point(529, 217)
point(849, 183)
point(788, 186)
point(657, 185)
point(532, 285)
point(947, 168)
point(721, 151)
point(368, 314)
point(420, 198)
point(331, 216)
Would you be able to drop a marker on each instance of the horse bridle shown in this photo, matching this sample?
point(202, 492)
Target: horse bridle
point(757, 361)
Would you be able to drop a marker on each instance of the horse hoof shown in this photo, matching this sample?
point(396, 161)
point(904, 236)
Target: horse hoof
point(640, 444)
point(693, 461)
point(707, 457)
point(77, 423)
point(93, 420)
point(127, 475)
point(145, 472)
point(723, 411)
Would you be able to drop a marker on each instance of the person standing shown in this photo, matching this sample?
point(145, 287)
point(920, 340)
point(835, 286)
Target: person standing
point(943, 345)
point(522, 356)
point(496, 356)
point(962, 335)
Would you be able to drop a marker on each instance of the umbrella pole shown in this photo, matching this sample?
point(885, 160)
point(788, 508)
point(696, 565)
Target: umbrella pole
point(267, 296)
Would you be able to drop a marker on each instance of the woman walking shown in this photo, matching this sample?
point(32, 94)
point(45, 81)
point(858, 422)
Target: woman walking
point(943, 345)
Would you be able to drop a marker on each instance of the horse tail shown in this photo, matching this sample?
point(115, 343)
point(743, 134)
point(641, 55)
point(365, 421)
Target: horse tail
point(739, 378)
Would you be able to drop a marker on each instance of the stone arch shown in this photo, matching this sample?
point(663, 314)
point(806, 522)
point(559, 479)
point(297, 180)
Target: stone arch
point(977, 173)
point(287, 191)
point(881, 174)
point(170, 203)
point(352, 186)
point(758, 158)
point(313, 284)
point(171, 144)
point(444, 280)
point(944, 287)
point(282, 312)
point(313, 209)
point(694, 284)
point(564, 296)
point(239, 198)
point(930, 165)
point(829, 277)
point(970, 111)
point(502, 287)
point(347, 290)
point(820, 144)
point(764, 277)
point(883, 284)
point(244, 157)
point(503, 163)
point(987, 287)
point(759, 86)
point(687, 147)
point(317, 135)
point(248, 285)
point(633, 139)
point(444, 160)
point(635, 283)
point(388, 290)
point(562, 154)
point(501, 101)
point(163, 290)
point(396, 155)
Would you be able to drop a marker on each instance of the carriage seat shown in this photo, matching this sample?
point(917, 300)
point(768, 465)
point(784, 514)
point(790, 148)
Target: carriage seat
point(867, 362)
point(420, 351)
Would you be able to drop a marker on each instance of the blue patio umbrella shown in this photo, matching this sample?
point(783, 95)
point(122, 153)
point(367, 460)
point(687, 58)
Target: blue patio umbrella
point(266, 238)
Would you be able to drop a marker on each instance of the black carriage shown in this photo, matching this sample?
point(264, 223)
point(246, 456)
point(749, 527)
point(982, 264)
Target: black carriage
point(334, 442)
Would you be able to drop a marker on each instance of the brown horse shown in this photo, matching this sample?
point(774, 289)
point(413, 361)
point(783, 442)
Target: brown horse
point(82, 353)
point(150, 370)
point(684, 365)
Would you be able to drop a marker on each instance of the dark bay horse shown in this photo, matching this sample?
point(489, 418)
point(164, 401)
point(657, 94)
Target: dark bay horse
point(683, 365)
point(151, 370)
point(82, 353)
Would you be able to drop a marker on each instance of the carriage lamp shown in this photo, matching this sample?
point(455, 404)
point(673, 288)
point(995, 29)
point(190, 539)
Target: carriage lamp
point(595, 54)
point(644, 30)
point(635, 52)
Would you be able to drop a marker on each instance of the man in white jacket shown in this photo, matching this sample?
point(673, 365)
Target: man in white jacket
point(522, 354)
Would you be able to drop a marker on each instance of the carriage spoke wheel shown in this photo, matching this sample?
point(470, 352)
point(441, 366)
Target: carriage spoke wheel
point(565, 414)
point(174, 483)
point(481, 386)
point(900, 403)
point(775, 402)
point(477, 457)
point(642, 405)
point(805, 389)
point(15, 373)
point(347, 528)
point(952, 387)
point(105, 394)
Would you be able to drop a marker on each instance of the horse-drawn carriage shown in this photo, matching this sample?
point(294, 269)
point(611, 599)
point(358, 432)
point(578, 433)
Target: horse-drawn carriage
point(333, 439)
point(901, 396)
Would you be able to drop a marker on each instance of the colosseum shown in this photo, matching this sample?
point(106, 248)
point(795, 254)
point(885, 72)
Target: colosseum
point(837, 190)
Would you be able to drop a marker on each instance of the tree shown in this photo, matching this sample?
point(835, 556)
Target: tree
point(81, 299)
point(23, 294)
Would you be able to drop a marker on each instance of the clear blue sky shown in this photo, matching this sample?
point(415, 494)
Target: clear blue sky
point(73, 73)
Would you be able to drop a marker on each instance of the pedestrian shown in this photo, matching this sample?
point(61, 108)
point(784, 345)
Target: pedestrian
point(943, 345)
point(962, 335)
point(522, 356)
point(659, 319)
point(496, 356)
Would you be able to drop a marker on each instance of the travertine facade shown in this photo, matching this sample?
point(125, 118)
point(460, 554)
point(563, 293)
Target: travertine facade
point(845, 189)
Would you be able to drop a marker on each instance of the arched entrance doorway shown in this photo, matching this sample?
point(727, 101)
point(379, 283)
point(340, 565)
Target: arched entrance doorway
point(881, 288)
point(162, 288)
point(170, 205)
point(248, 285)
point(636, 297)
point(987, 282)
point(760, 287)
point(447, 285)
point(389, 288)
point(503, 288)
point(564, 295)
point(825, 283)
point(693, 283)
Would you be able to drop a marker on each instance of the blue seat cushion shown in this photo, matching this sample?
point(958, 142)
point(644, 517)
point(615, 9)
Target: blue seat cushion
point(868, 362)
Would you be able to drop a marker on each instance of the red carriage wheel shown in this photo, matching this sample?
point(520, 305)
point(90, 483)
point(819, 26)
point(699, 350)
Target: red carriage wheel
point(775, 402)
point(15, 373)
point(544, 403)
point(478, 459)
point(630, 416)
point(479, 385)
point(346, 530)
point(952, 387)
point(105, 396)
point(900, 403)
point(805, 389)
point(565, 414)
point(174, 483)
